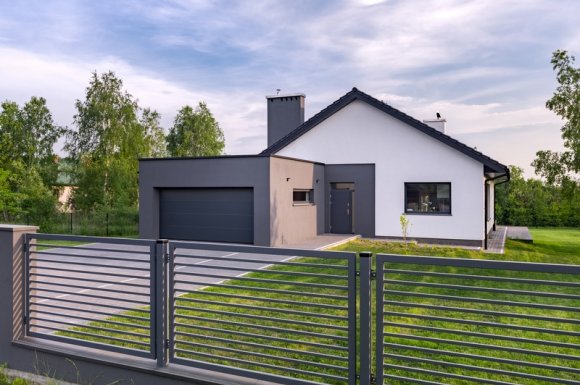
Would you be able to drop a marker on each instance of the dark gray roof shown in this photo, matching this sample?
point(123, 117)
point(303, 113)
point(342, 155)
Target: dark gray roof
point(491, 166)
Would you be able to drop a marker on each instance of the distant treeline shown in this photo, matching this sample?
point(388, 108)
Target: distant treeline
point(532, 202)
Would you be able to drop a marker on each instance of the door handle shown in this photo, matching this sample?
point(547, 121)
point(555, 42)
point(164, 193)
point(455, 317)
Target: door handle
point(347, 211)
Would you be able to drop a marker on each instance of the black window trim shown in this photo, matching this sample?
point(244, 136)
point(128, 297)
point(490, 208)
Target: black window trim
point(303, 203)
point(427, 212)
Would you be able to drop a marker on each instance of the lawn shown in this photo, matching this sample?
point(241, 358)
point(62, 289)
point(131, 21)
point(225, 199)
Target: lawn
point(237, 323)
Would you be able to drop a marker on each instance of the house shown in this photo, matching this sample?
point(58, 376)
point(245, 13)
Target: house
point(354, 167)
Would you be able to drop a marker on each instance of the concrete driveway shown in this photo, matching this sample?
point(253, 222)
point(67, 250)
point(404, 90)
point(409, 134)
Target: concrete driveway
point(75, 285)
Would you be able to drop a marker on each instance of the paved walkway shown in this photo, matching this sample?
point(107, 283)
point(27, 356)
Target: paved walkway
point(520, 233)
point(322, 242)
point(496, 240)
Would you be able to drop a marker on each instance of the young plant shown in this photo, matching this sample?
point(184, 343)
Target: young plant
point(405, 224)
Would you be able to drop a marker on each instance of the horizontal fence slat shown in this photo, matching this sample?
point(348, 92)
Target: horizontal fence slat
point(262, 289)
point(264, 270)
point(263, 327)
point(90, 272)
point(88, 304)
point(268, 356)
point(483, 289)
point(480, 357)
point(273, 300)
point(263, 280)
point(91, 311)
point(123, 332)
point(90, 239)
point(251, 335)
point(262, 308)
point(483, 300)
point(485, 335)
point(436, 373)
point(486, 312)
point(484, 323)
point(145, 255)
point(263, 250)
point(480, 264)
point(80, 294)
point(88, 288)
point(271, 319)
point(61, 277)
point(103, 266)
point(261, 261)
point(107, 321)
point(270, 347)
point(483, 277)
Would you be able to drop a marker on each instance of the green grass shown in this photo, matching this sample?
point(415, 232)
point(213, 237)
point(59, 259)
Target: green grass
point(212, 323)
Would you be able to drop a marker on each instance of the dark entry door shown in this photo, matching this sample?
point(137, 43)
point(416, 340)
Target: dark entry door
point(207, 214)
point(341, 211)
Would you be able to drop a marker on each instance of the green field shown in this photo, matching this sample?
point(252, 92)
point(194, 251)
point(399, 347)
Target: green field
point(210, 329)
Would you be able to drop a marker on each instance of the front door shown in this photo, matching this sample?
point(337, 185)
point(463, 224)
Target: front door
point(341, 211)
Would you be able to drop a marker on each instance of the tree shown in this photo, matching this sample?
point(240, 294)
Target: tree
point(559, 168)
point(195, 133)
point(29, 171)
point(112, 133)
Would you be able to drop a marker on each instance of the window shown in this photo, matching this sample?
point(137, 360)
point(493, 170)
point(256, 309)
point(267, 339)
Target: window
point(302, 197)
point(428, 198)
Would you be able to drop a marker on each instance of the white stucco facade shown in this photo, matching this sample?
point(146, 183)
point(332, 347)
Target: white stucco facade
point(361, 134)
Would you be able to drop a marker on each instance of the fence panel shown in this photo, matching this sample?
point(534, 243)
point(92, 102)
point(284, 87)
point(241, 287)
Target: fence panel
point(280, 315)
point(459, 321)
point(94, 292)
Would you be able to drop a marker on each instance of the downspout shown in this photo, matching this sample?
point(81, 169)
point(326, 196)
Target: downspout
point(507, 174)
point(485, 208)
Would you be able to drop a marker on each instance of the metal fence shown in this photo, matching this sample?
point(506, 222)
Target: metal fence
point(304, 317)
point(263, 312)
point(476, 321)
point(99, 294)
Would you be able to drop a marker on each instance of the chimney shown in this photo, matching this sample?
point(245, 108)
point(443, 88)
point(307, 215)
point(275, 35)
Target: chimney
point(285, 113)
point(438, 124)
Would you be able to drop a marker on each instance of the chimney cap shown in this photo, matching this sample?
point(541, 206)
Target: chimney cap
point(296, 94)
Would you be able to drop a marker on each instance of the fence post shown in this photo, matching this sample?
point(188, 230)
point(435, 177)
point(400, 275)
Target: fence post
point(366, 274)
point(12, 282)
point(160, 303)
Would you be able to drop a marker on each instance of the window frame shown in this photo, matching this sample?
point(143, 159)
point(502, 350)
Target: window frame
point(309, 197)
point(433, 213)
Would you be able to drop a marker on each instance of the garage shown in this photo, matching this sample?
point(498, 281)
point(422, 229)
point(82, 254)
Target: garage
point(207, 214)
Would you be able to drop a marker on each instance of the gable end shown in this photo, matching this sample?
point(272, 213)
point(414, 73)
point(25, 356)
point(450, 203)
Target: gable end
point(490, 165)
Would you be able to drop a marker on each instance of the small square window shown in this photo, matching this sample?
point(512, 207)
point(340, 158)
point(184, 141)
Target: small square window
point(428, 198)
point(303, 196)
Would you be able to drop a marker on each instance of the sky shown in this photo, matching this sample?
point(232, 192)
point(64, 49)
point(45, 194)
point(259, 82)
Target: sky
point(484, 65)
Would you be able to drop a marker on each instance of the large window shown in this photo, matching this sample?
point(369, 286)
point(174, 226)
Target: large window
point(428, 198)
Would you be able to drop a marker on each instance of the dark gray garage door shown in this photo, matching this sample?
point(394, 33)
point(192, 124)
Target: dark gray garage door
point(207, 214)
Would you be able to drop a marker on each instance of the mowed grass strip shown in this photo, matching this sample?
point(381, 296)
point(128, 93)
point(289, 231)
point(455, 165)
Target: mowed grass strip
point(268, 332)
point(438, 331)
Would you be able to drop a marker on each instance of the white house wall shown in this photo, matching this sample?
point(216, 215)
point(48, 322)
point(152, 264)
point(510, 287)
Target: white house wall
point(359, 133)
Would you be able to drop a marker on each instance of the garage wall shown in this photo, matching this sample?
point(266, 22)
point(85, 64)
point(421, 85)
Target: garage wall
point(225, 172)
point(289, 222)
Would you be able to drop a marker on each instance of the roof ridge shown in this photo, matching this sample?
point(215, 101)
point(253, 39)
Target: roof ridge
point(355, 94)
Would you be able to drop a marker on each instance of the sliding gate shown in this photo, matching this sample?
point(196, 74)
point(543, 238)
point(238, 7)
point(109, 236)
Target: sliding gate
point(281, 315)
point(460, 321)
